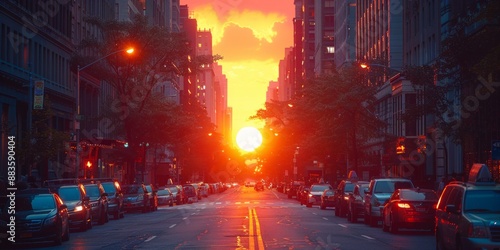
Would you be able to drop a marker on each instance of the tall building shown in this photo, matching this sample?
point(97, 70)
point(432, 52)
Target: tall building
point(305, 20)
point(220, 83)
point(35, 70)
point(205, 83)
point(189, 26)
point(324, 42)
point(345, 33)
point(379, 32)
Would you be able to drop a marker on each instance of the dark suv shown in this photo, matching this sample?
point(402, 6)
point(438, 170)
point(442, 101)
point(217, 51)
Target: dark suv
point(379, 190)
point(468, 213)
point(98, 201)
point(345, 188)
point(39, 216)
point(115, 198)
point(78, 203)
point(135, 197)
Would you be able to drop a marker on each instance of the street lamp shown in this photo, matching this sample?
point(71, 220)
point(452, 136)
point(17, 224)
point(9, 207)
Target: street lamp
point(77, 118)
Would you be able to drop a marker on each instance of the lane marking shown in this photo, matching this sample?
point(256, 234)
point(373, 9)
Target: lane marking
point(173, 225)
point(251, 242)
point(260, 242)
point(342, 225)
point(324, 218)
point(368, 237)
point(150, 238)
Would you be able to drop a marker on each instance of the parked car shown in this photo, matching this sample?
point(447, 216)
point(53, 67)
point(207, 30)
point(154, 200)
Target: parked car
point(39, 216)
point(153, 197)
point(78, 203)
point(356, 203)
point(165, 196)
point(379, 190)
point(302, 194)
point(327, 199)
point(468, 213)
point(345, 188)
point(203, 189)
point(115, 197)
point(191, 193)
point(293, 187)
point(315, 192)
point(136, 197)
point(410, 208)
point(98, 202)
point(178, 193)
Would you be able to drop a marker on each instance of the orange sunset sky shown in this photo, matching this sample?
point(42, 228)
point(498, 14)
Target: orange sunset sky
point(251, 36)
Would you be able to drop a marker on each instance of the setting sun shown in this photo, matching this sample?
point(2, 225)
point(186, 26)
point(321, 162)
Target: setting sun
point(248, 138)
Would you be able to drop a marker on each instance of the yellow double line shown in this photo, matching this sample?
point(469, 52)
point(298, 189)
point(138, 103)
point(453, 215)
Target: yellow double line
point(254, 235)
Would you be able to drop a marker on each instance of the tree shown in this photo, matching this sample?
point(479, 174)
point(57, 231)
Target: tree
point(159, 56)
point(331, 117)
point(43, 142)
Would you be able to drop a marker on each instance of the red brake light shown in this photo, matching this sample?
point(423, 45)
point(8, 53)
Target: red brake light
point(404, 205)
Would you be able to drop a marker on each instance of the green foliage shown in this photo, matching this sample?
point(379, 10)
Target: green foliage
point(43, 142)
point(331, 117)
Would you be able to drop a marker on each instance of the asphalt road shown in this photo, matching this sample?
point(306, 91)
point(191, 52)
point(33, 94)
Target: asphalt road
point(240, 218)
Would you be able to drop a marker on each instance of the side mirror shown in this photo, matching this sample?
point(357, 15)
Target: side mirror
point(63, 206)
point(86, 198)
point(451, 209)
point(104, 194)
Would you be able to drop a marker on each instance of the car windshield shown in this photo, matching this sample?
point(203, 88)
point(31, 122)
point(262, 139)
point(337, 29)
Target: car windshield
point(163, 192)
point(349, 187)
point(148, 187)
point(482, 201)
point(388, 186)
point(69, 194)
point(316, 188)
point(418, 196)
point(34, 203)
point(109, 187)
point(132, 190)
point(92, 191)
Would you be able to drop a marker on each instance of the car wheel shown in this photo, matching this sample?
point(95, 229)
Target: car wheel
point(58, 237)
point(101, 217)
point(116, 215)
point(439, 242)
point(106, 216)
point(393, 224)
point(354, 217)
point(84, 226)
point(322, 207)
point(385, 228)
point(66, 234)
point(337, 207)
point(372, 221)
point(309, 205)
point(89, 225)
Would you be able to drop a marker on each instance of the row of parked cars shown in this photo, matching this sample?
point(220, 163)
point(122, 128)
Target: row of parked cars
point(49, 213)
point(466, 215)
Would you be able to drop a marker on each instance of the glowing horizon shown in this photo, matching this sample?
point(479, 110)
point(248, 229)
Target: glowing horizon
point(251, 36)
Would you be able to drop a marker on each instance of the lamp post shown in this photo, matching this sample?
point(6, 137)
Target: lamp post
point(77, 118)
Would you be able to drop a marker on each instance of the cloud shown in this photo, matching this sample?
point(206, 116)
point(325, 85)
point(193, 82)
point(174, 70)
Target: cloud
point(261, 24)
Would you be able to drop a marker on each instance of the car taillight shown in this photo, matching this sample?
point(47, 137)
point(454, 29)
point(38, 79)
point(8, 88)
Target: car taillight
point(404, 205)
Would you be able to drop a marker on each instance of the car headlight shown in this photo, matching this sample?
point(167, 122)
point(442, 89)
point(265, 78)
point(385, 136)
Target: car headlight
point(477, 231)
point(51, 218)
point(78, 208)
point(50, 221)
